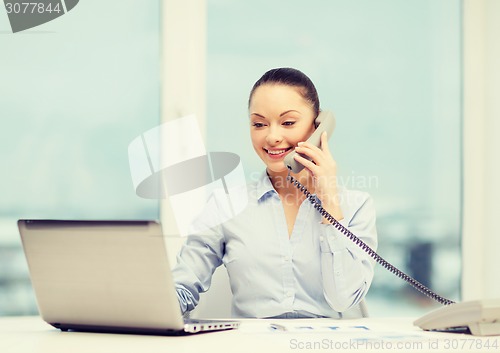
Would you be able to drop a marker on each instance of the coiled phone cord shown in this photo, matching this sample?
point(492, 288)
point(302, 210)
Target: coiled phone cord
point(379, 259)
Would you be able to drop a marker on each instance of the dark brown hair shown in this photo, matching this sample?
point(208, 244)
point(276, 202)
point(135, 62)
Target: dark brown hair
point(290, 77)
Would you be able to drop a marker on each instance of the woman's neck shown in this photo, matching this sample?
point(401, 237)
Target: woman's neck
point(284, 187)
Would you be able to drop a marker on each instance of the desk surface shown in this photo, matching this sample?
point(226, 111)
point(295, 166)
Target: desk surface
point(31, 334)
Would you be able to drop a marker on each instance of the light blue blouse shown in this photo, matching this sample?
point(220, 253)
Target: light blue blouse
point(316, 271)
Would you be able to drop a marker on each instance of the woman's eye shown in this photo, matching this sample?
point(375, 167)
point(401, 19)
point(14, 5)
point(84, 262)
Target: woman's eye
point(257, 125)
point(289, 123)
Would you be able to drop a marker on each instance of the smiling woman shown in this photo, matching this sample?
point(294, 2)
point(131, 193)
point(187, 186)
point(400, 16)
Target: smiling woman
point(278, 251)
point(275, 128)
point(390, 70)
point(283, 105)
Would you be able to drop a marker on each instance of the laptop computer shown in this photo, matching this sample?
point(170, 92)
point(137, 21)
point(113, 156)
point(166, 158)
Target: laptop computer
point(105, 276)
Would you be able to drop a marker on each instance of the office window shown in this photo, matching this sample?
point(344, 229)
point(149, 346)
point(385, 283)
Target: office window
point(75, 91)
point(391, 72)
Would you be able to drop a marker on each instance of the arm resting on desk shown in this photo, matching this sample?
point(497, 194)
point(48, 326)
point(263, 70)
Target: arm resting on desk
point(196, 263)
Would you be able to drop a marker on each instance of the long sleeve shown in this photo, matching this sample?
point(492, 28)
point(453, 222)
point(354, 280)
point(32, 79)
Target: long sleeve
point(347, 271)
point(199, 257)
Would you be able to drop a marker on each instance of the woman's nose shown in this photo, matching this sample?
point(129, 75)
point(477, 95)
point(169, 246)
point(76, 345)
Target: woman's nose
point(274, 137)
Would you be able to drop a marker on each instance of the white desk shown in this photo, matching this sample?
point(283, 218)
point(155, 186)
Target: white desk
point(31, 334)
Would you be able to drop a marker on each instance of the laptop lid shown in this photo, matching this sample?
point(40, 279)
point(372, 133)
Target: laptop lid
point(101, 274)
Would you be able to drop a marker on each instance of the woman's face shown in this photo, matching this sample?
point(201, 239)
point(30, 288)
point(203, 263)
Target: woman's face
point(279, 119)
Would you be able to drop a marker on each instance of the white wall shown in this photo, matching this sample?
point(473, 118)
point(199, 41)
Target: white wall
point(481, 238)
point(184, 93)
point(183, 81)
point(492, 170)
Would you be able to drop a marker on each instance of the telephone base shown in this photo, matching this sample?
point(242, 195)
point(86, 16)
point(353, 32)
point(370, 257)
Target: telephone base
point(480, 317)
point(475, 329)
point(485, 328)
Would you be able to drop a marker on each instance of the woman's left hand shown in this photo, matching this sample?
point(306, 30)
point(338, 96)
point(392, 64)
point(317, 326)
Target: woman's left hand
point(323, 170)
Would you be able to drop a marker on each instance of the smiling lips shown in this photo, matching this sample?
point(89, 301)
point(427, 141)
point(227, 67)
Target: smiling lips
point(277, 153)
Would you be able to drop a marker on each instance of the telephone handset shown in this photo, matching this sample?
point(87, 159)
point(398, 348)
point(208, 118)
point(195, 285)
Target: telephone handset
point(324, 122)
point(480, 318)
